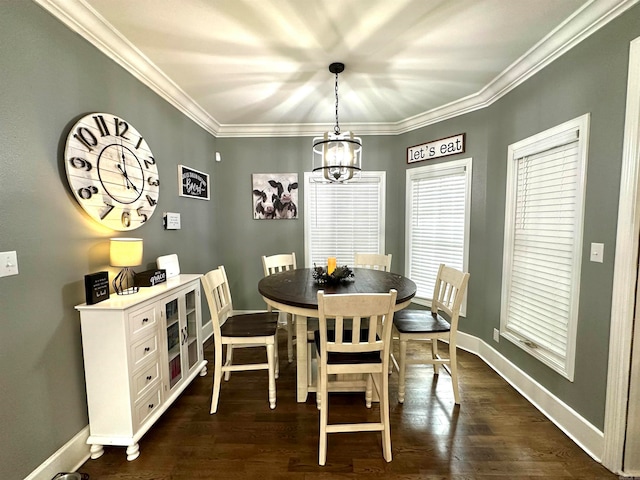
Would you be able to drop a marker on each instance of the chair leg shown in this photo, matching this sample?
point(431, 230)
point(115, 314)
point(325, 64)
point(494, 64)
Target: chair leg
point(228, 362)
point(454, 373)
point(217, 379)
point(384, 417)
point(324, 415)
point(271, 360)
point(318, 392)
point(368, 396)
point(290, 336)
point(277, 358)
point(403, 366)
point(435, 356)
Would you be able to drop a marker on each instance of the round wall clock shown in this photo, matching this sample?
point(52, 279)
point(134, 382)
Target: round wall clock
point(111, 171)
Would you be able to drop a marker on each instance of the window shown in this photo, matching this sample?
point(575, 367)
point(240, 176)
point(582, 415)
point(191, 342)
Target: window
point(546, 177)
point(437, 223)
point(342, 219)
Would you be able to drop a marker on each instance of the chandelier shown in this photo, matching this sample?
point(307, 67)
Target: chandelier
point(337, 157)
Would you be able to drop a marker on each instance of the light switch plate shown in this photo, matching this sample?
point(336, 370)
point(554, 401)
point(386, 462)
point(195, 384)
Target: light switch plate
point(597, 252)
point(8, 264)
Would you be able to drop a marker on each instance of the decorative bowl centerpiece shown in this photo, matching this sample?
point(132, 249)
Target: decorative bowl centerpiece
point(339, 274)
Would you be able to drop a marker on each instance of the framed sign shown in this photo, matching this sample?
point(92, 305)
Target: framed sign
point(437, 148)
point(193, 183)
point(96, 287)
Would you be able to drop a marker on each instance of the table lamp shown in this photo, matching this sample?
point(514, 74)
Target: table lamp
point(127, 253)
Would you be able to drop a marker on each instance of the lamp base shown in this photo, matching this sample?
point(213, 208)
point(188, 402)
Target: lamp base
point(123, 283)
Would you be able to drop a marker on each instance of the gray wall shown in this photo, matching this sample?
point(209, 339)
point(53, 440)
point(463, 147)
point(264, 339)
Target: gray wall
point(50, 77)
point(243, 240)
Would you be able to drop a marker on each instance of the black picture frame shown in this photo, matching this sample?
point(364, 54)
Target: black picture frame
point(96, 287)
point(193, 183)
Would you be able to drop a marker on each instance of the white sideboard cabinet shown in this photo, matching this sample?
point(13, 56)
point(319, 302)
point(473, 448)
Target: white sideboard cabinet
point(140, 352)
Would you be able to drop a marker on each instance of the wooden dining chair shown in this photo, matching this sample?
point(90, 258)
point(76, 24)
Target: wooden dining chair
point(430, 326)
point(375, 261)
point(275, 264)
point(238, 331)
point(347, 342)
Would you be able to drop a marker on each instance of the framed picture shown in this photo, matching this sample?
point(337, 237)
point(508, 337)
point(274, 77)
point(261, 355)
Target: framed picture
point(96, 287)
point(275, 196)
point(193, 183)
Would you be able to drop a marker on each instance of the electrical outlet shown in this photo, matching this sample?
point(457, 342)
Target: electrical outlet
point(496, 335)
point(8, 264)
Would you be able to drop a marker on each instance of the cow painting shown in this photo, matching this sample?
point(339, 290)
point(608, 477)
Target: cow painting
point(275, 196)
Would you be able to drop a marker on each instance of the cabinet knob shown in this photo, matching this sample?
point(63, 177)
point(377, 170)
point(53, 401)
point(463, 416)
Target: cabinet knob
point(145, 320)
point(150, 406)
point(146, 349)
point(149, 377)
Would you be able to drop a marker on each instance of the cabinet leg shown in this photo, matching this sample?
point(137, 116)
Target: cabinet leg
point(203, 372)
point(96, 451)
point(133, 451)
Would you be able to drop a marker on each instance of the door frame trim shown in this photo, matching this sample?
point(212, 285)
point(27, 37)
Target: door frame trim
point(625, 275)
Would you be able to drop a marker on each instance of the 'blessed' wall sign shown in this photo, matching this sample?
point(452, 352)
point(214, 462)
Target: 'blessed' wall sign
point(437, 148)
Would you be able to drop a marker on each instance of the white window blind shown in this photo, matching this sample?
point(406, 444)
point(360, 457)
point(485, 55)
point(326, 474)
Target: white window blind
point(543, 246)
point(437, 222)
point(342, 219)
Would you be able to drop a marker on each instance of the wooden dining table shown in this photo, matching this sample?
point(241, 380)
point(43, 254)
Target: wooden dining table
point(296, 292)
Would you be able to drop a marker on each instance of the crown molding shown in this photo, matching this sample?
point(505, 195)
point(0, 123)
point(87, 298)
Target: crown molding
point(88, 23)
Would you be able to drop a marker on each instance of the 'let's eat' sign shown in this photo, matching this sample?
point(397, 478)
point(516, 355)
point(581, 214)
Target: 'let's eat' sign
point(437, 148)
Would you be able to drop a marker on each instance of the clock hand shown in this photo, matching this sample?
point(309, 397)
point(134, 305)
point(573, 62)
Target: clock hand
point(126, 177)
point(124, 163)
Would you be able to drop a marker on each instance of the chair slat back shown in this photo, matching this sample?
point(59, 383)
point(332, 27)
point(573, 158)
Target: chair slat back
point(356, 319)
point(373, 261)
point(449, 291)
point(278, 263)
point(216, 290)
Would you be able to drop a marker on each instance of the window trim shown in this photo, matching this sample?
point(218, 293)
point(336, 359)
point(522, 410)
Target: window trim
point(579, 125)
point(435, 169)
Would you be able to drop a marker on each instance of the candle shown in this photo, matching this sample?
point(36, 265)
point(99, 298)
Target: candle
point(331, 265)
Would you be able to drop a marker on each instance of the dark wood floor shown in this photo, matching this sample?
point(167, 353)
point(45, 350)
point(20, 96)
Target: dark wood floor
point(494, 433)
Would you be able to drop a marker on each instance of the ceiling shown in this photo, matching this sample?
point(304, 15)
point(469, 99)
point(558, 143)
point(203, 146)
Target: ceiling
point(260, 67)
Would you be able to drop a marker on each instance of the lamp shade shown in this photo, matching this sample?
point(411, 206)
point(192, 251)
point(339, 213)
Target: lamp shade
point(125, 252)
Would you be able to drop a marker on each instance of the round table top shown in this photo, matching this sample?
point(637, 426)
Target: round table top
point(298, 288)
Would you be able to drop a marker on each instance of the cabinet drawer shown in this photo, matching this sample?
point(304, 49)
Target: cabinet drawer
point(145, 379)
point(143, 350)
point(142, 322)
point(147, 406)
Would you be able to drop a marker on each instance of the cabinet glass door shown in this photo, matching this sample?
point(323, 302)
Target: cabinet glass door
point(174, 340)
point(192, 328)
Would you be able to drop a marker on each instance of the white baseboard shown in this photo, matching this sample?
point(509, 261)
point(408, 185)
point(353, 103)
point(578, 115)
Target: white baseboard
point(576, 427)
point(72, 455)
point(68, 458)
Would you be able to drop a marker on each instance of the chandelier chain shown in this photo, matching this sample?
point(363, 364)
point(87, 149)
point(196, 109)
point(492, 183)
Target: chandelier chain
point(337, 127)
